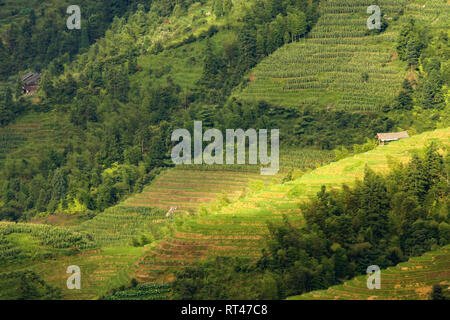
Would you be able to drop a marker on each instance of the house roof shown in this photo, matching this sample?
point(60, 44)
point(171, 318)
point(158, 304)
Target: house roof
point(31, 78)
point(392, 136)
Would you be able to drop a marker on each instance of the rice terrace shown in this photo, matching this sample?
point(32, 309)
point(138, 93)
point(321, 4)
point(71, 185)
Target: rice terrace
point(346, 101)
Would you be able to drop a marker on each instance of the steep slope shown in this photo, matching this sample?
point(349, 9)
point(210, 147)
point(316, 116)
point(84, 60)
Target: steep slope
point(31, 135)
point(191, 187)
point(339, 65)
point(412, 280)
point(239, 229)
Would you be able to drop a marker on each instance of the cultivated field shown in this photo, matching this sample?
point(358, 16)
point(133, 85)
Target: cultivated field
point(412, 280)
point(110, 259)
point(328, 68)
point(30, 135)
point(239, 229)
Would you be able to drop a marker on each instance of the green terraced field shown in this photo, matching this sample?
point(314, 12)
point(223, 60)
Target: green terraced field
point(412, 280)
point(239, 229)
point(22, 242)
point(191, 187)
point(116, 226)
point(326, 69)
point(101, 270)
point(188, 189)
point(30, 135)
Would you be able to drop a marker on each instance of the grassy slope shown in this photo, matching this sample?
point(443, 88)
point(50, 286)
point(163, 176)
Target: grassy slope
point(412, 280)
point(239, 229)
point(189, 189)
point(326, 68)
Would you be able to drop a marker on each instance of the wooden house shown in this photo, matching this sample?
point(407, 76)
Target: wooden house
point(384, 138)
point(30, 82)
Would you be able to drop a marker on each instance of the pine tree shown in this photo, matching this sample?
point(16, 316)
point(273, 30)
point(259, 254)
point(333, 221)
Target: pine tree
point(437, 293)
point(59, 185)
point(374, 204)
point(84, 42)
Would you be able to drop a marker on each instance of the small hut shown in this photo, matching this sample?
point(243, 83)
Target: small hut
point(384, 138)
point(30, 82)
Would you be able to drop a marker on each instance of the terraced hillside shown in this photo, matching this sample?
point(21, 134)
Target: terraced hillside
point(412, 280)
point(190, 187)
point(21, 243)
point(339, 66)
point(118, 225)
point(30, 135)
point(46, 252)
point(239, 229)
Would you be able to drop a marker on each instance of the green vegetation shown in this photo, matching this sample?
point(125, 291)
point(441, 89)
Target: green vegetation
point(25, 285)
point(325, 69)
point(239, 228)
point(418, 279)
point(86, 176)
point(143, 292)
point(21, 242)
point(380, 221)
point(121, 224)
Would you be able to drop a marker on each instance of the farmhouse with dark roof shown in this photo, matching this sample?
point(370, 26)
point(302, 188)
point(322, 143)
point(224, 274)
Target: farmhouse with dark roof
point(30, 82)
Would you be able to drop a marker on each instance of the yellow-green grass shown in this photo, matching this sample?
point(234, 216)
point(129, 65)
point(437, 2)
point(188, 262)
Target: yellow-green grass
point(189, 189)
point(49, 250)
point(326, 69)
point(101, 270)
point(239, 229)
point(412, 280)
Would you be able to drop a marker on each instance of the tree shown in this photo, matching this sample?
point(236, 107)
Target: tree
point(247, 40)
point(413, 48)
point(59, 185)
point(84, 42)
point(118, 83)
point(430, 91)
point(374, 204)
point(296, 24)
point(436, 293)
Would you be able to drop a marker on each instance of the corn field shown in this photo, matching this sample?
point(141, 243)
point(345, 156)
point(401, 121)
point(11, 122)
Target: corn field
point(327, 68)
